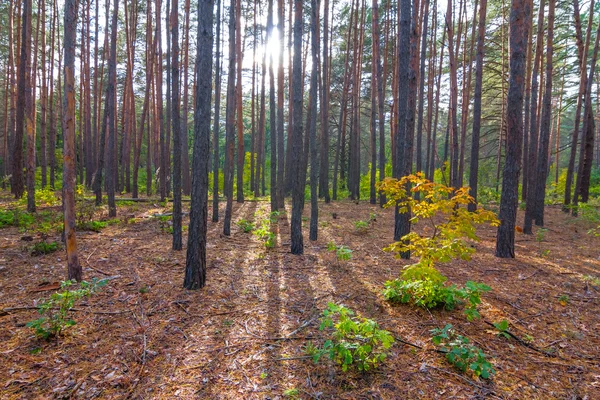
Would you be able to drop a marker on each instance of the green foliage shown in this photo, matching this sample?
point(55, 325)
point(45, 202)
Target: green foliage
point(41, 248)
point(423, 286)
point(291, 393)
point(16, 218)
point(591, 279)
point(354, 340)
point(263, 231)
point(245, 225)
point(361, 226)
point(96, 226)
point(55, 311)
point(342, 252)
point(502, 328)
point(43, 197)
point(436, 202)
point(460, 353)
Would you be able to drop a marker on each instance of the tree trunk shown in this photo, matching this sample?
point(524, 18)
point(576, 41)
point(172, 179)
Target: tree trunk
point(70, 24)
point(474, 168)
point(176, 126)
point(532, 175)
point(314, 161)
point(583, 53)
point(272, 116)
point(23, 91)
point(546, 124)
point(215, 211)
point(241, 155)
point(280, 114)
point(230, 120)
point(520, 18)
point(195, 265)
point(111, 113)
point(297, 242)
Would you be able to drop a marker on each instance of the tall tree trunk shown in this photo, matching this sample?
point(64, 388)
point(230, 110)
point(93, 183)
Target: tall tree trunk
point(424, 33)
point(545, 125)
point(314, 161)
point(530, 210)
point(583, 53)
point(159, 104)
point(324, 162)
point(177, 133)
point(23, 91)
point(402, 220)
point(520, 17)
point(185, 158)
point(527, 112)
point(70, 24)
point(582, 185)
point(195, 265)
point(43, 98)
point(241, 155)
point(297, 241)
point(280, 114)
point(474, 168)
point(111, 113)
point(215, 211)
point(272, 115)
point(230, 120)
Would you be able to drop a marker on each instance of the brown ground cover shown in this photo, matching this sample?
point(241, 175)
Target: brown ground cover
point(241, 337)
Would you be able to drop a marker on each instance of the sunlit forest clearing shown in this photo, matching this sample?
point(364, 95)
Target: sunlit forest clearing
point(324, 199)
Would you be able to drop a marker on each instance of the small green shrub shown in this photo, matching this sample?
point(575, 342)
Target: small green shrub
point(264, 233)
point(423, 286)
point(41, 248)
point(245, 225)
point(55, 311)
point(342, 252)
point(460, 353)
point(354, 340)
point(16, 218)
point(361, 226)
point(502, 328)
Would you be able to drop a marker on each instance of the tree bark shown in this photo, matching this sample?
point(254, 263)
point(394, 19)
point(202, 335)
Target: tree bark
point(474, 168)
point(520, 20)
point(215, 211)
point(230, 120)
point(195, 265)
point(70, 24)
point(297, 242)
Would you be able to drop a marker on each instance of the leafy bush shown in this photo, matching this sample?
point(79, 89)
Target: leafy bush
point(245, 225)
point(44, 248)
point(502, 328)
point(423, 286)
point(264, 233)
point(342, 252)
point(15, 217)
point(354, 340)
point(361, 226)
point(55, 311)
point(460, 353)
point(96, 226)
point(450, 225)
point(43, 197)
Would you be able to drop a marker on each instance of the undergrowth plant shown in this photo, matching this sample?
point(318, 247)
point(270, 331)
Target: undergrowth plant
point(342, 253)
point(245, 225)
point(354, 341)
point(55, 311)
point(447, 227)
point(41, 248)
point(262, 230)
point(460, 353)
point(361, 226)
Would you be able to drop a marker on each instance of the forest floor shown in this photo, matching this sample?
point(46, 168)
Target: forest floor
point(241, 337)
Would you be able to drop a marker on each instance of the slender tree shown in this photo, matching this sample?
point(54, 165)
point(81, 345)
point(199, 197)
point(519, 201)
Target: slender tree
point(312, 123)
point(520, 19)
point(475, 137)
point(176, 121)
point(195, 265)
point(230, 121)
point(70, 24)
point(280, 114)
point(272, 114)
point(545, 124)
point(215, 211)
point(23, 91)
point(297, 241)
point(241, 154)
